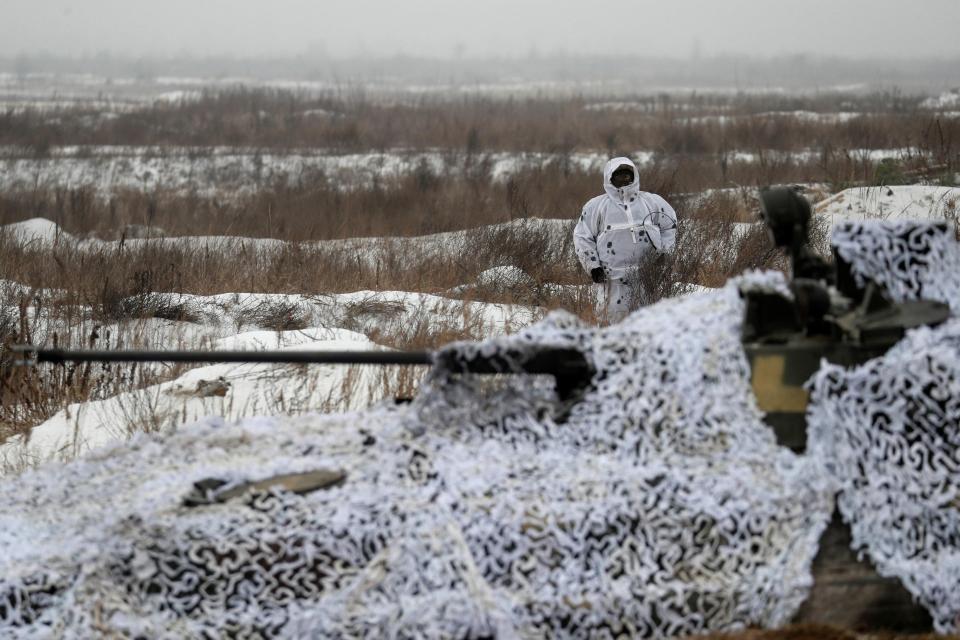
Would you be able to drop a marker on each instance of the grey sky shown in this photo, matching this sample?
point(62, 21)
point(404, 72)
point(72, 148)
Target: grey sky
point(445, 28)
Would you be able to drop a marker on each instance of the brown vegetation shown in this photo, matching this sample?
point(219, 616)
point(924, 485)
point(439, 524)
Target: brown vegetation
point(352, 121)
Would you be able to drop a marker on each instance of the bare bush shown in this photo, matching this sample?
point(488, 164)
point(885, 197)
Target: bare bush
point(282, 315)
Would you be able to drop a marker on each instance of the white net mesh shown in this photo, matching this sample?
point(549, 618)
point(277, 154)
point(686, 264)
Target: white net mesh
point(910, 260)
point(889, 431)
point(660, 506)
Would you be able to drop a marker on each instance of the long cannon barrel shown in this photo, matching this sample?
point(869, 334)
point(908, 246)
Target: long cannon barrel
point(569, 366)
point(60, 356)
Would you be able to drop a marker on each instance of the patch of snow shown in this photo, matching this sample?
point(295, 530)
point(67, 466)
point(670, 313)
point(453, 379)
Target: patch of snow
point(253, 388)
point(619, 106)
point(181, 95)
point(811, 155)
point(916, 202)
point(36, 230)
point(827, 117)
point(504, 277)
point(320, 113)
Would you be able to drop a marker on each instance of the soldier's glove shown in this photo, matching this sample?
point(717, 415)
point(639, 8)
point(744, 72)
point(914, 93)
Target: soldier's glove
point(598, 275)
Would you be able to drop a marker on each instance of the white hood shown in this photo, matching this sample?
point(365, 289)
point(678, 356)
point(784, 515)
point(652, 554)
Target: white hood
point(622, 194)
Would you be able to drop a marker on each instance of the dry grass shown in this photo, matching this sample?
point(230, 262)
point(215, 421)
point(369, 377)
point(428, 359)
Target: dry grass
point(461, 196)
point(672, 124)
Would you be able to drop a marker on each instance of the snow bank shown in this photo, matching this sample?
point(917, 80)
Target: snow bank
point(946, 100)
point(247, 389)
point(909, 202)
point(36, 231)
point(370, 251)
point(226, 170)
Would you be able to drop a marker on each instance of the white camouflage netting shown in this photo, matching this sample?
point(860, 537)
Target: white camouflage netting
point(658, 505)
point(661, 506)
point(910, 260)
point(889, 430)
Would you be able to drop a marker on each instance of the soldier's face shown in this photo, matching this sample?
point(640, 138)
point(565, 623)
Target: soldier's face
point(621, 177)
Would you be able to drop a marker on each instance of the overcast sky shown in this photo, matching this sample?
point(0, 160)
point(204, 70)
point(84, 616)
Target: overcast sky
point(447, 28)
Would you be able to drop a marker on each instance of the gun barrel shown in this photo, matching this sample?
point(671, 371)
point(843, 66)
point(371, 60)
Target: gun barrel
point(277, 357)
point(568, 366)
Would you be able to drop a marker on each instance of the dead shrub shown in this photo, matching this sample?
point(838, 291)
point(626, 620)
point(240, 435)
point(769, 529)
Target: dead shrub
point(274, 315)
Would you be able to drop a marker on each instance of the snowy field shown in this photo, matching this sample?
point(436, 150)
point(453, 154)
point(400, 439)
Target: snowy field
point(506, 512)
point(230, 322)
point(267, 205)
point(224, 170)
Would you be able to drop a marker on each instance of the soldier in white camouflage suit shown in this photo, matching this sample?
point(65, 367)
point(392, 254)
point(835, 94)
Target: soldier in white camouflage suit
point(618, 230)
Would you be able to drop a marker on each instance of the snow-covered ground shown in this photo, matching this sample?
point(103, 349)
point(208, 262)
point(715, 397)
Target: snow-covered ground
point(230, 322)
point(227, 170)
point(369, 251)
point(917, 202)
point(228, 390)
point(223, 170)
point(946, 100)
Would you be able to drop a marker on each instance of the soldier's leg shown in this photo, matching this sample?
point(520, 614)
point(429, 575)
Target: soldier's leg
point(618, 301)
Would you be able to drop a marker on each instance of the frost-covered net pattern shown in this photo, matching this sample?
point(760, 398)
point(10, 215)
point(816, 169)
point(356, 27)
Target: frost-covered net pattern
point(658, 505)
point(889, 431)
point(909, 259)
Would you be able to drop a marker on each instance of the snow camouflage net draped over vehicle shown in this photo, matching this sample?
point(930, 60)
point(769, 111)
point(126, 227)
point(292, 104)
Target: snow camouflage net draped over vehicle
point(659, 505)
point(889, 431)
point(910, 260)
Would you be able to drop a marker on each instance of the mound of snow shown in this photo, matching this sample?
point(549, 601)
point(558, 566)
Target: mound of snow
point(910, 202)
point(38, 230)
point(504, 278)
point(252, 388)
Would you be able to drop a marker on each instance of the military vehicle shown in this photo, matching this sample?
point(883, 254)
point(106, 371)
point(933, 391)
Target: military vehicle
point(829, 317)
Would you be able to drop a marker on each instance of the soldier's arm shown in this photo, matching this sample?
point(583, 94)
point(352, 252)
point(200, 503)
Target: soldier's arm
point(585, 237)
point(667, 221)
